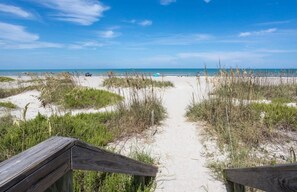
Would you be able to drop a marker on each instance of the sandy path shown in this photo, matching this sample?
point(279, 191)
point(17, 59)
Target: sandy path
point(182, 165)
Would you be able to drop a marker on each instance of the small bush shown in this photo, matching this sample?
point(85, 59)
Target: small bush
point(278, 116)
point(6, 79)
point(8, 105)
point(86, 98)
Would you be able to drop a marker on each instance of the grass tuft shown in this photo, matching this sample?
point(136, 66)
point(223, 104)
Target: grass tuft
point(136, 82)
point(6, 79)
point(8, 105)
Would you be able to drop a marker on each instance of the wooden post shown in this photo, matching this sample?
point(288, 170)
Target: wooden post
point(234, 187)
point(153, 118)
point(64, 184)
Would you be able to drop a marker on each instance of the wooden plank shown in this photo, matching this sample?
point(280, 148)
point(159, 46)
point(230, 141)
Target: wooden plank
point(21, 166)
point(64, 184)
point(46, 175)
point(234, 187)
point(268, 178)
point(86, 157)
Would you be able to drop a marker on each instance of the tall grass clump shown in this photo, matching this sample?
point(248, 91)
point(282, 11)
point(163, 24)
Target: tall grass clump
point(250, 86)
point(6, 79)
point(137, 81)
point(242, 125)
point(141, 109)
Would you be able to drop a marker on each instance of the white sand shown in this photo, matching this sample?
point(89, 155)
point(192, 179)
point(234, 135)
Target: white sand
point(176, 144)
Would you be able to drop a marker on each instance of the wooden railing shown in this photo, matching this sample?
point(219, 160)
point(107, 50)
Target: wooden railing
point(48, 165)
point(269, 178)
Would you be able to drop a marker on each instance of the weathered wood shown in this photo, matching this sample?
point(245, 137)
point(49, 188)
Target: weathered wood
point(47, 175)
point(86, 157)
point(268, 178)
point(30, 163)
point(234, 187)
point(64, 184)
point(41, 166)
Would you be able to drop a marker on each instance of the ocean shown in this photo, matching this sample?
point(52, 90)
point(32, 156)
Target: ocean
point(152, 71)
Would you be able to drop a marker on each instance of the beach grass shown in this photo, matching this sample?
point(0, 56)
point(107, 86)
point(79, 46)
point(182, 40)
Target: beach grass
point(139, 81)
point(243, 126)
point(242, 86)
point(14, 91)
point(6, 79)
point(8, 105)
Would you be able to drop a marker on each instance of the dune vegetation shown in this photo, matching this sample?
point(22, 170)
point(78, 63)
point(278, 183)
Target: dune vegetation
point(130, 116)
point(241, 125)
point(138, 81)
point(6, 79)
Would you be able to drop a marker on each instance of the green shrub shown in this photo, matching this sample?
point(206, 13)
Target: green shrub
point(62, 90)
point(278, 116)
point(86, 98)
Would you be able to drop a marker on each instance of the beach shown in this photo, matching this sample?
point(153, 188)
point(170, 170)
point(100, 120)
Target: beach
point(176, 143)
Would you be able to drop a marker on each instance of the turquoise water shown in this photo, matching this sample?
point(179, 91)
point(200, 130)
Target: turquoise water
point(151, 71)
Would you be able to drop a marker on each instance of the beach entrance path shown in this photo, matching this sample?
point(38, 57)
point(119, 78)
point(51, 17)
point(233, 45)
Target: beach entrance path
point(177, 143)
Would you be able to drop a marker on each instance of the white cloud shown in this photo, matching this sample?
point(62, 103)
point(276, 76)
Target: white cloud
point(167, 2)
point(262, 32)
point(207, 1)
point(83, 12)
point(181, 39)
point(274, 23)
point(14, 10)
point(145, 23)
point(33, 45)
point(16, 33)
point(108, 34)
point(16, 37)
point(86, 44)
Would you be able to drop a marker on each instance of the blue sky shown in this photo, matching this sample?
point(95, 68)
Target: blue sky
point(61, 34)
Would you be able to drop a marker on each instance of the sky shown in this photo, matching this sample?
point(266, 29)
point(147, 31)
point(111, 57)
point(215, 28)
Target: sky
point(82, 34)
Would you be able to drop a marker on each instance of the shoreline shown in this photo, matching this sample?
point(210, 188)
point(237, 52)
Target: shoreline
point(160, 72)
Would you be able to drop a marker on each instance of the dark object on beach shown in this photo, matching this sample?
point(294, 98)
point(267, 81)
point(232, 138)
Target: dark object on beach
point(88, 74)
